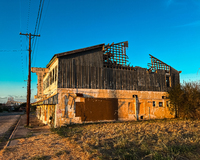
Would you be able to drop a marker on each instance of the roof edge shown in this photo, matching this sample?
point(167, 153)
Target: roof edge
point(80, 50)
point(72, 52)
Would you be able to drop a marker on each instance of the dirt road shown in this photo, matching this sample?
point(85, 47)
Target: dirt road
point(6, 121)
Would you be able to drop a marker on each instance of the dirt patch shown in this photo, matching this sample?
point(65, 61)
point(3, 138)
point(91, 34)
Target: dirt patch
point(46, 146)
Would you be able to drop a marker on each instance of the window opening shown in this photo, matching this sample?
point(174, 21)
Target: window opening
point(160, 104)
point(53, 74)
point(167, 103)
point(56, 73)
point(167, 81)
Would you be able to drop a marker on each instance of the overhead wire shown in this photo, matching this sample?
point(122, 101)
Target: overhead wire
point(14, 50)
point(36, 31)
point(22, 58)
point(37, 25)
point(22, 64)
point(34, 60)
point(27, 29)
point(29, 8)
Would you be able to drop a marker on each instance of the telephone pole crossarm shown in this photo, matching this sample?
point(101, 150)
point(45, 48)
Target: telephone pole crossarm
point(26, 34)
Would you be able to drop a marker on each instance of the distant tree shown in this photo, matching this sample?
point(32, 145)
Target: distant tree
point(23, 105)
point(185, 100)
point(176, 99)
point(1, 108)
point(32, 108)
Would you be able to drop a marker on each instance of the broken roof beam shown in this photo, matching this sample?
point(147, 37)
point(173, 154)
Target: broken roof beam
point(116, 53)
point(158, 60)
point(158, 64)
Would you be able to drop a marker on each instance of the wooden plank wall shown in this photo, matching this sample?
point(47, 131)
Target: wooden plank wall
point(85, 70)
point(77, 76)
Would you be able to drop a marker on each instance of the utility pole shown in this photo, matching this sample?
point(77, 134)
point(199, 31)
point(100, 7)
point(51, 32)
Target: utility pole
point(29, 77)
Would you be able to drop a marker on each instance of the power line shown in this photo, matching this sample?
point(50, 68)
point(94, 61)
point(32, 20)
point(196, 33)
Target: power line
point(29, 7)
point(20, 26)
point(38, 16)
point(45, 15)
point(14, 50)
point(22, 58)
point(37, 25)
point(35, 48)
point(27, 26)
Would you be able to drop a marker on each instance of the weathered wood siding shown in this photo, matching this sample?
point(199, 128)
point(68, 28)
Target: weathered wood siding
point(85, 70)
point(175, 79)
point(77, 76)
point(70, 67)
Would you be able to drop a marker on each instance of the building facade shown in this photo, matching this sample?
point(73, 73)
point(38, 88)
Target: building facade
point(96, 84)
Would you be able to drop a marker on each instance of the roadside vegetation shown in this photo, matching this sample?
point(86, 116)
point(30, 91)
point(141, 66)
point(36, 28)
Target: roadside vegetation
point(17, 108)
point(155, 139)
point(185, 100)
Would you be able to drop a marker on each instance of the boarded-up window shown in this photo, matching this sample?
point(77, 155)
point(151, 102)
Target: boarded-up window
point(56, 73)
point(47, 82)
point(95, 109)
point(50, 78)
point(53, 75)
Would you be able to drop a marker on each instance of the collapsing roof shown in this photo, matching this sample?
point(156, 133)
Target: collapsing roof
point(157, 64)
point(114, 56)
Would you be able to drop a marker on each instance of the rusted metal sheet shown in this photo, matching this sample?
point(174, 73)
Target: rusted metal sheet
point(101, 109)
point(80, 107)
point(95, 109)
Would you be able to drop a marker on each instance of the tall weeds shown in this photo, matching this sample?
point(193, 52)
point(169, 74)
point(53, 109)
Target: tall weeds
point(185, 100)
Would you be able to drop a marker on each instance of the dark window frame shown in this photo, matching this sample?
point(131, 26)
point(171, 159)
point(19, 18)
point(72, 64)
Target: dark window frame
point(154, 103)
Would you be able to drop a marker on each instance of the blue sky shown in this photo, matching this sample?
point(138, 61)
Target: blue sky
point(167, 29)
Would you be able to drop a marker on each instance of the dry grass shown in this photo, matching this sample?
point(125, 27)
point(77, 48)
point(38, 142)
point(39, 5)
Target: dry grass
point(43, 147)
point(157, 140)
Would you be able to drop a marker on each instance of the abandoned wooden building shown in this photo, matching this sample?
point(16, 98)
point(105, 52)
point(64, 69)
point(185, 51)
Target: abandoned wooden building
point(96, 84)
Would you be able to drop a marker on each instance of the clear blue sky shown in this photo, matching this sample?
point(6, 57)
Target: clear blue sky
point(167, 29)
